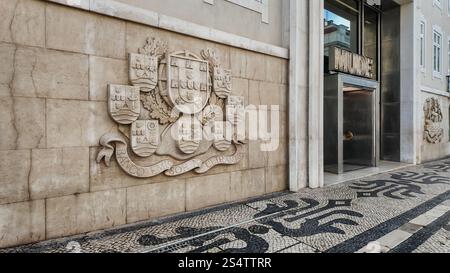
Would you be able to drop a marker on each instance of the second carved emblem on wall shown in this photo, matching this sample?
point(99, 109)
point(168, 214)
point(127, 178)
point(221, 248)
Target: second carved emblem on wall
point(180, 108)
point(433, 131)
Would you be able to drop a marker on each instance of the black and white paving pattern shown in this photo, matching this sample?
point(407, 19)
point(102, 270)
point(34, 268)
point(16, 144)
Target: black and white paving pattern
point(405, 211)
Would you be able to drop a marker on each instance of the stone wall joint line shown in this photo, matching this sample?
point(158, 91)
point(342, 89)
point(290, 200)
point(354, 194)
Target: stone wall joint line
point(127, 12)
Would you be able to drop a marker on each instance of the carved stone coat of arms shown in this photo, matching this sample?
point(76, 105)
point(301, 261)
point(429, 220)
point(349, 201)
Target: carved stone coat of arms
point(178, 107)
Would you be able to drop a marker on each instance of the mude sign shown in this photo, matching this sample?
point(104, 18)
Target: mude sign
point(344, 61)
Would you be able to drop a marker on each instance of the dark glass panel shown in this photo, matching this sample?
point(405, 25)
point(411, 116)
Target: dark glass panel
point(371, 37)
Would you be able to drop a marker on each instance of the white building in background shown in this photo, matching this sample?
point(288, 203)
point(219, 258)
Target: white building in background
point(433, 64)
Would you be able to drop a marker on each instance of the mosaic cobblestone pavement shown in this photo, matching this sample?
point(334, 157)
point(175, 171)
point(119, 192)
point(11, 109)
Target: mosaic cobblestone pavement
point(403, 211)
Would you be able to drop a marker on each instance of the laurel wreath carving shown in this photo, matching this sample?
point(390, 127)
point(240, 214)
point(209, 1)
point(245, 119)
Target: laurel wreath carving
point(158, 107)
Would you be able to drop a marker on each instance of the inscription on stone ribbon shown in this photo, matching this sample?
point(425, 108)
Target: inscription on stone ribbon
point(220, 160)
point(184, 168)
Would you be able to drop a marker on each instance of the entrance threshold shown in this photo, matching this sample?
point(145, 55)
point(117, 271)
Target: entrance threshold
point(383, 167)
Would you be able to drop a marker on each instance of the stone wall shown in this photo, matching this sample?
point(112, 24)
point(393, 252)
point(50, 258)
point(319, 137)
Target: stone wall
point(56, 64)
point(223, 15)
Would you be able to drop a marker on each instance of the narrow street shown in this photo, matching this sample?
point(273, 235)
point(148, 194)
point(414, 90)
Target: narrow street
point(404, 211)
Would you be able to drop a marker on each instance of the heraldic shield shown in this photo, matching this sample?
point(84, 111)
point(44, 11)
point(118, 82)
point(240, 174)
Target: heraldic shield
point(190, 134)
point(188, 83)
point(222, 82)
point(124, 103)
point(143, 71)
point(144, 137)
point(235, 109)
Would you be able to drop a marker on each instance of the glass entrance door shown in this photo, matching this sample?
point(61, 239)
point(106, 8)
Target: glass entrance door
point(358, 126)
point(351, 119)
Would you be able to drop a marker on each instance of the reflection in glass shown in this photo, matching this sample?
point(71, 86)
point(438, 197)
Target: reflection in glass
point(374, 3)
point(337, 31)
point(371, 37)
point(340, 25)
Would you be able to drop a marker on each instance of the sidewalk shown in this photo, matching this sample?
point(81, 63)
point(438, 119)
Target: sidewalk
point(404, 211)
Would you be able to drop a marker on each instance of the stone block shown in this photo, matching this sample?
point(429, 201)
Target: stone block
point(254, 92)
point(276, 70)
point(14, 170)
point(276, 134)
point(284, 97)
point(279, 156)
point(240, 88)
point(238, 62)
point(256, 68)
point(7, 53)
point(267, 93)
point(23, 22)
point(59, 172)
point(77, 123)
point(277, 179)
point(246, 184)
point(76, 214)
point(410, 228)
point(206, 191)
point(81, 4)
point(104, 71)
point(423, 220)
point(22, 223)
point(22, 123)
point(393, 239)
point(125, 11)
point(50, 74)
point(257, 158)
point(284, 127)
point(80, 31)
point(247, 64)
point(155, 200)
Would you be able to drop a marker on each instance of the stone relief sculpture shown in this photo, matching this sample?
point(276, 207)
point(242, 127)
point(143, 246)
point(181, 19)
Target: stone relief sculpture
point(179, 107)
point(433, 132)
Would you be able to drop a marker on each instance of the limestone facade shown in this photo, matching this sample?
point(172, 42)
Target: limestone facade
point(59, 58)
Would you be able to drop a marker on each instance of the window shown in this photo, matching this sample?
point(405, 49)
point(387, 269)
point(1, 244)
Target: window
point(341, 25)
point(422, 36)
point(437, 52)
point(437, 3)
